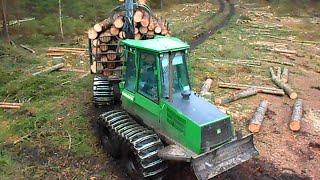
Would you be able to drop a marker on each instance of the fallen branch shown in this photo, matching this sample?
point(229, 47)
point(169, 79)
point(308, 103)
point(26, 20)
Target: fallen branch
point(12, 104)
point(27, 48)
point(285, 75)
point(296, 116)
point(3, 106)
point(22, 138)
point(249, 63)
point(260, 89)
point(286, 87)
point(277, 62)
point(257, 119)
point(243, 94)
point(70, 140)
point(11, 23)
point(283, 51)
point(73, 70)
point(50, 69)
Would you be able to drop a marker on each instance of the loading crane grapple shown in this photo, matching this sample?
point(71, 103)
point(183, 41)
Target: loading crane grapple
point(160, 119)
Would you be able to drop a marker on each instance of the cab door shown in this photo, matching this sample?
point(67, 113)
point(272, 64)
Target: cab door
point(147, 95)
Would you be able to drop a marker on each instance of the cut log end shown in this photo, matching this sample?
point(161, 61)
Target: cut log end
point(92, 34)
point(254, 128)
point(218, 101)
point(293, 95)
point(97, 27)
point(295, 126)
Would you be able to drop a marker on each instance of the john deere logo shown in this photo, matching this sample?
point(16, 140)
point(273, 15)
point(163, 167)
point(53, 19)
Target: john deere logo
point(219, 131)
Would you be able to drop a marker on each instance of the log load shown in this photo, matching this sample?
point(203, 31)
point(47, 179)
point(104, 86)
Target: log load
point(258, 117)
point(243, 94)
point(295, 123)
point(286, 87)
point(92, 34)
point(106, 34)
point(102, 26)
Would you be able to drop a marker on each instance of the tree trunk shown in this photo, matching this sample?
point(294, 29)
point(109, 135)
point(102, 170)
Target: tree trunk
point(5, 21)
point(60, 19)
point(50, 69)
point(261, 89)
point(296, 115)
point(257, 119)
point(206, 87)
point(9, 106)
point(285, 75)
point(243, 94)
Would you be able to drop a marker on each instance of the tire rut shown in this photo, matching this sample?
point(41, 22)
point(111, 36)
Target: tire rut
point(205, 35)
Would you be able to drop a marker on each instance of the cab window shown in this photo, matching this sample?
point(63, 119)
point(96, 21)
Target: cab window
point(148, 84)
point(130, 75)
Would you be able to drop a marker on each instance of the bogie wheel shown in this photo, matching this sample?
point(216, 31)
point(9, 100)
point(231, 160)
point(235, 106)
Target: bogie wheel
point(103, 92)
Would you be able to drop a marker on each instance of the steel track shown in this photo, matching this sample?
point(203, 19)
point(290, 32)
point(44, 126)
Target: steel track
point(142, 142)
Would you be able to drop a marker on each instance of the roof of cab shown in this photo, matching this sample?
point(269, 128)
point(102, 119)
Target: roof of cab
point(158, 44)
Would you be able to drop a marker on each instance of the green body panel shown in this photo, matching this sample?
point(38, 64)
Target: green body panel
point(160, 114)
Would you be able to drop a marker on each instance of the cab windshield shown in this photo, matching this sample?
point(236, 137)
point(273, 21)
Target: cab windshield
point(179, 71)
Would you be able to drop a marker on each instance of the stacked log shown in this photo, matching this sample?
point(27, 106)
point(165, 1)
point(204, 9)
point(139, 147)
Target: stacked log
point(106, 34)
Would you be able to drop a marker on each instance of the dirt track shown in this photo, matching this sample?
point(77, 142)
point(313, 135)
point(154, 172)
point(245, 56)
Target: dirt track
point(213, 29)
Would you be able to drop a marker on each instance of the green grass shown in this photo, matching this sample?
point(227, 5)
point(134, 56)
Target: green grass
point(53, 114)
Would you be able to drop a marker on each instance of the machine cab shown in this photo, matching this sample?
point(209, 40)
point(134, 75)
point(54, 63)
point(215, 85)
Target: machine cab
point(156, 89)
point(156, 68)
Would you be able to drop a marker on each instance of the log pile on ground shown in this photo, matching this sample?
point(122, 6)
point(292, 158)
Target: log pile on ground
point(257, 119)
point(279, 80)
point(59, 51)
point(105, 35)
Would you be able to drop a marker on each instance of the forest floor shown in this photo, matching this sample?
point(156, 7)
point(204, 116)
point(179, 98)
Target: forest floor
point(57, 119)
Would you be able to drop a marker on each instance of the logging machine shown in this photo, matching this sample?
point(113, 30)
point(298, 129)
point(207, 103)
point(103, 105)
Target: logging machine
point(161, 120)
